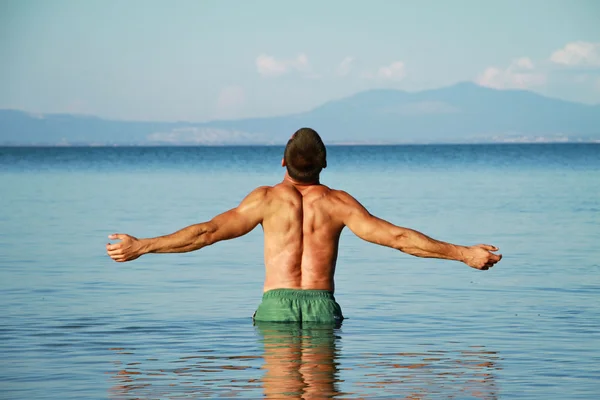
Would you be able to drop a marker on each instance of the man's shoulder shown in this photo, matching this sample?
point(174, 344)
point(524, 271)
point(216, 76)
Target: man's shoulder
point(334, 200)
point(260, 191)
point(341, 196)
point(275, 192)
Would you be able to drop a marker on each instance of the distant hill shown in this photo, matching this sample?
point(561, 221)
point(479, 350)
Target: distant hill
point(463, 113)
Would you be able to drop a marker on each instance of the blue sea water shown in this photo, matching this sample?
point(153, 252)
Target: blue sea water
point(76, 325)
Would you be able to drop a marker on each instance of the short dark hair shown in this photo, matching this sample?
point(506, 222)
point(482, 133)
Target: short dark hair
point(305, 155)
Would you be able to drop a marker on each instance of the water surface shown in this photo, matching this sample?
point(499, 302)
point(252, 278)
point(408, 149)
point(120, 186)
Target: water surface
point(77, 325)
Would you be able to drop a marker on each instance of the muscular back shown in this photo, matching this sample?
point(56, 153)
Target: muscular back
point(302, 233)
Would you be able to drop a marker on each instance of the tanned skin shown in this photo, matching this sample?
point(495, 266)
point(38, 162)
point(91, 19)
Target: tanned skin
point(302, 223)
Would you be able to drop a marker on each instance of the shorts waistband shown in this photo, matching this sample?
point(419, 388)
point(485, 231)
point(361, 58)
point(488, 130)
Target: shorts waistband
point(298, 294)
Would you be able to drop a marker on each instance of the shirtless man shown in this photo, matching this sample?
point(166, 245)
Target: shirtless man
point(302, 221)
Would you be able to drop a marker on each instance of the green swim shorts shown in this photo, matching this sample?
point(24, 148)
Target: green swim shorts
point(295, 305)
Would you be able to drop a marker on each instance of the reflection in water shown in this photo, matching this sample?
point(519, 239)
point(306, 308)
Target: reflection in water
point(196, 375)
point(305, 361)
point(301, 360)
point(435, 374)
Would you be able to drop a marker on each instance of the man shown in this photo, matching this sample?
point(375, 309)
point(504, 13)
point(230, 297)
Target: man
point(302, 222)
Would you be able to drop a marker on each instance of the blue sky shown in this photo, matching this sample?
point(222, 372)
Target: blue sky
point(203, 60)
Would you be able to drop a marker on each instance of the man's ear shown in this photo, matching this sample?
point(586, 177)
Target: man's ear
point(325, 165)
point(283, 164)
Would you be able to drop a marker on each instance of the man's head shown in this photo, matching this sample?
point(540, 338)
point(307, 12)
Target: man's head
point(305, 156)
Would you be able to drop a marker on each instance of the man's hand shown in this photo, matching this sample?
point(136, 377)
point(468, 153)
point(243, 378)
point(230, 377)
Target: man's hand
point(128, 249)
point(481, 256)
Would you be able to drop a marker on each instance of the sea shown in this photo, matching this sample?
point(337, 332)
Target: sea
point(76, 325)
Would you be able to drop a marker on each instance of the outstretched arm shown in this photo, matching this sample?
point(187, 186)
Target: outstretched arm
point(229, 225)
point(379, 231)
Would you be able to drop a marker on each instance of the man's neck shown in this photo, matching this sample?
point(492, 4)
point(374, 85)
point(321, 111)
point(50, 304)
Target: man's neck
point(290, 180)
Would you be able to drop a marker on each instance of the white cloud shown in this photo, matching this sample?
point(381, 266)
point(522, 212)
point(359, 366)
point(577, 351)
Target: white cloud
point(394, 71)
point(300, 62)
point(520, 74)
point(578, 54)
point(270, 66)
point(344, 68)
point(523, 63)
point(231, 99)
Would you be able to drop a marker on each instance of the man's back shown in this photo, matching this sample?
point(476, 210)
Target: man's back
point(302, 231)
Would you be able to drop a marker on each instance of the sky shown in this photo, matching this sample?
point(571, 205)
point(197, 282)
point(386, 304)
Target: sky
point(199, 60)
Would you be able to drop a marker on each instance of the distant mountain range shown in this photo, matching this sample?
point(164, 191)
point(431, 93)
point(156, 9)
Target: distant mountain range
point(463, 113)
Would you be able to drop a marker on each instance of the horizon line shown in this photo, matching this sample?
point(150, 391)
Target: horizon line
point(334, 144)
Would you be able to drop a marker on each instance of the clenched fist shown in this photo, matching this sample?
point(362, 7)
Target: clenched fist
point(481, 256)
point(129, 248)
